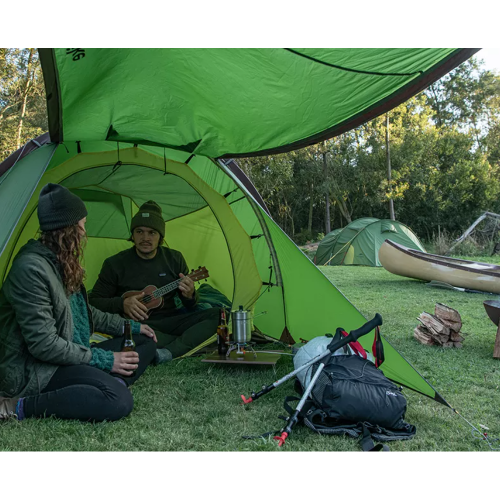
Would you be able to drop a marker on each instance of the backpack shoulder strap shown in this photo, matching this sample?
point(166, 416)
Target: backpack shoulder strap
point(367, 444)
point(308, 405)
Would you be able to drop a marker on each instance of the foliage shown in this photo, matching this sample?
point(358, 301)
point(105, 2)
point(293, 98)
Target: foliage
point(23, 114)
point(304, 237)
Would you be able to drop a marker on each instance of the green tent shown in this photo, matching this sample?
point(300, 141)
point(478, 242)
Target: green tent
point(128, 125)
point(359, 242)
point(230, 102)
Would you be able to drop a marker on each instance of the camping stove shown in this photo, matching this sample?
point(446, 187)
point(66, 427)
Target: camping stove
point(240, 349)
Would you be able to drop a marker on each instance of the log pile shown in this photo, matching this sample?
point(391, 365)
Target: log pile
point(441, 328)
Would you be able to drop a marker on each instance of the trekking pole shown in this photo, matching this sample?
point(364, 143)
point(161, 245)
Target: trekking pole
point(286, 431)
point(332, 347)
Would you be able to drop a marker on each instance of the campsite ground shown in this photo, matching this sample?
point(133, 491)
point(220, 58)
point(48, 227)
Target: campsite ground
point(189, 405)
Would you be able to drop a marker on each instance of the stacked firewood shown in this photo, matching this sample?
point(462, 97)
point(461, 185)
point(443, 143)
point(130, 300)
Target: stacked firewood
point(441, 328)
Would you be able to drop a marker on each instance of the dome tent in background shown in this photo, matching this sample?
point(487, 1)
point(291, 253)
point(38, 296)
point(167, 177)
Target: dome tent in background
point(359, 242)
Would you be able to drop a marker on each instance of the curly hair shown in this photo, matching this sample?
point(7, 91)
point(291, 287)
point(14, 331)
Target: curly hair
point(68, 244)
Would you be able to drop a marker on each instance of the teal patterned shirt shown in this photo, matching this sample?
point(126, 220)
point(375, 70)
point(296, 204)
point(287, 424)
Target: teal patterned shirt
point(81, 334)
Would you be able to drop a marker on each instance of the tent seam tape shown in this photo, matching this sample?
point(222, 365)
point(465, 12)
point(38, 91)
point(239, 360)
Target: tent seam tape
point(351, 70)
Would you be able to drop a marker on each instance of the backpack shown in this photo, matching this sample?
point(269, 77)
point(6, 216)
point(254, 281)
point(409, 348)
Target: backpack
point(352, 397)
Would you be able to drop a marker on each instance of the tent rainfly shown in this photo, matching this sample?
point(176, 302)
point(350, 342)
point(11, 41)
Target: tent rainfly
point(359, 242)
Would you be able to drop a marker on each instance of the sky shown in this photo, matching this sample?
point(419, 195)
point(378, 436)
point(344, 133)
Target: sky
point(491, 58)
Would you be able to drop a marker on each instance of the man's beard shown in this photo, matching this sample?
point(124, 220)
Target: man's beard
point(146, 250)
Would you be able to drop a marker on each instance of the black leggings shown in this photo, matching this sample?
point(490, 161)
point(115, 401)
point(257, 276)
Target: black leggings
point(81, 392)
point(86, 393)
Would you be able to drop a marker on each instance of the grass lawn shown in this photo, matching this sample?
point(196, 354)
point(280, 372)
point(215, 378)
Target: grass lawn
point(190, 405)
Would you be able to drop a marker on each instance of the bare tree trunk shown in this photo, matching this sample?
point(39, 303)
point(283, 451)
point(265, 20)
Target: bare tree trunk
point(327, 196)
point(471, 228)
point(440, 122)
point(388, 156)
point(24, 95)
point(344, 210)
point(287, 215)
point(311, 203)
point(6, 108)
point(348, 213)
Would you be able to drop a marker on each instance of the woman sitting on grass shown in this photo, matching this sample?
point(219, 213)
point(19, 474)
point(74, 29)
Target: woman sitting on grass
point(47, 367)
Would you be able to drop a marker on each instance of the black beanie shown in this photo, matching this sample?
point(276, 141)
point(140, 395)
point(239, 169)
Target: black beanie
point(59, 208)
point(149, 215)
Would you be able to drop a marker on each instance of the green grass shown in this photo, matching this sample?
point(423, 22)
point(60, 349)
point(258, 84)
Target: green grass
point(190, 405)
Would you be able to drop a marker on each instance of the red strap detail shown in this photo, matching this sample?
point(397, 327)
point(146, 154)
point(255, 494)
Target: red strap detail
point(356, 346)
point(376, 343)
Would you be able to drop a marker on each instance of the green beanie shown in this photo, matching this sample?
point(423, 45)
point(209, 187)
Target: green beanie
point(58, 207)
point(149, 215)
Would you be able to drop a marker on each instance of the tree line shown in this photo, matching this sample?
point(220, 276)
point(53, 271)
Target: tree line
point(443, 147)
point(23, 110)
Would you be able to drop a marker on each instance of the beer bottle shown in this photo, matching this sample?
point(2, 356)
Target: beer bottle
point(224, 323)
point(128, 341)
point(222, 334)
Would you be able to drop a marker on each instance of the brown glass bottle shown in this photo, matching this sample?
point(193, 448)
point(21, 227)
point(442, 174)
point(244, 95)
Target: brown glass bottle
point(222, 336)
point(128, 344)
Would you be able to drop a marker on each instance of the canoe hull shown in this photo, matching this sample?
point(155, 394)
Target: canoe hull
point(404, 261)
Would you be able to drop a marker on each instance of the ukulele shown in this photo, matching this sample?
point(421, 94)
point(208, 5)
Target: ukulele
point(153, 296)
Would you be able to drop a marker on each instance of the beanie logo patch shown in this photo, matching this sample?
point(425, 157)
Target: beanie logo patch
point(145, 214)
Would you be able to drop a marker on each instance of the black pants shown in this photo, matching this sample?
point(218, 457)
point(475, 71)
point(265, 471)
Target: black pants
point(86, 393)
point(182, 332)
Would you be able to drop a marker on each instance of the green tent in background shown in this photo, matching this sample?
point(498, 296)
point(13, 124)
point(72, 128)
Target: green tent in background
point(358, 243)
point(128, 125)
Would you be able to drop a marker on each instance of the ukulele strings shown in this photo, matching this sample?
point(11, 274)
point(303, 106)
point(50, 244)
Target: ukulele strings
point(164, 289)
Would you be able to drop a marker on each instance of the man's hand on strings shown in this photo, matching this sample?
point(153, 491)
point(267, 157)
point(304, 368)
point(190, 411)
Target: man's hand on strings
point(186, 286)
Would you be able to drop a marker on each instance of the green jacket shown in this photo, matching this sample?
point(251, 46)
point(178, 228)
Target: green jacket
point(36, 324)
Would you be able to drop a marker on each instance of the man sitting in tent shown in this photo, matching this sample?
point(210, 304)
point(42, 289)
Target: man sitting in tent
point(150, 263)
